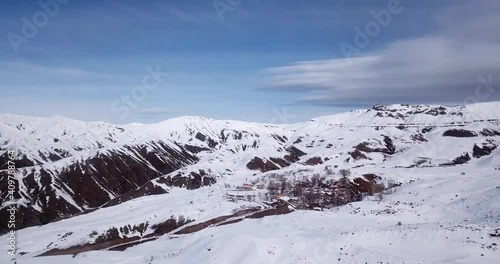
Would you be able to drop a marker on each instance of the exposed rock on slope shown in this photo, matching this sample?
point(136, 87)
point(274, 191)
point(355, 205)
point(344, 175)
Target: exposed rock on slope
point(479, 152)
point(91, 182)
point(66, 167)
point(459, 133)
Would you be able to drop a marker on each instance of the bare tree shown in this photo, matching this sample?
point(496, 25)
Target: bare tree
point(345, 173)
point(329, 170)
point(272, 189)
point(315, 179)
point(283, 186)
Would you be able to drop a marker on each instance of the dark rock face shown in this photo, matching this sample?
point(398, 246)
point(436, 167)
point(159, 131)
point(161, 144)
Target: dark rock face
point(459, 133)
point(258, 164)
point(459, 160)
point(418, 137)
point(279, 138)
point(191, 181)
point(401, 127)
point(427, 129)
point(298, 140)
point(441, 110)
point(212, 143)
point(462, 159)
point(281, 162)
point(195, 149)
point(383, 110)
point(21, 161)
point(295, 151)
point(201, 137)
point(314, 161)
point(490, 133)
point(389, 149)
point(478, 152)
point(169, 225)
point(114, 176)
point(357, 155)
point(368, 184)
point(280, 209)
point(389, 145)
point(275, 163)
point(379, 107)
point(434, 111)
point(294, 154)
point(291, 158)
point(362, 185)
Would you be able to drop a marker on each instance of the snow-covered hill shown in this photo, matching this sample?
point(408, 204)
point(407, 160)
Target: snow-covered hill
point(446, 158)
point(437, 216)
point(68, 166)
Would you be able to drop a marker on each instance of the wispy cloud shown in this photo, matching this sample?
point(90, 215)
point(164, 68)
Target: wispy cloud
point(152, 114)
point(442, 67)
point(25, 72)
point(95, 52)
point(41, 70)
point(163, 12)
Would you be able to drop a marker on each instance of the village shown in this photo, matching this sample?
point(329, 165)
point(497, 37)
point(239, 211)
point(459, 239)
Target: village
point(316, 192)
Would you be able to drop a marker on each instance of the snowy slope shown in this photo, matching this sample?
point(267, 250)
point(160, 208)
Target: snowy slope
point(68, 166)
point(445, 217)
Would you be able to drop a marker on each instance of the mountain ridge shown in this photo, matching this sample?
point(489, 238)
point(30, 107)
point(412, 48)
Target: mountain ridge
point(85, 165)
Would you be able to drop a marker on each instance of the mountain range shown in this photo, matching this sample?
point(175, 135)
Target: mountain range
point(74, 177)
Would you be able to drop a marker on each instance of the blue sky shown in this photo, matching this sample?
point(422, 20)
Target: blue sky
point(266, 60)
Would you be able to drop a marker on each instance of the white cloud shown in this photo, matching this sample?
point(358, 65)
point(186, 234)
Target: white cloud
point(152, 114)
point(24, 72)
point(443, 67)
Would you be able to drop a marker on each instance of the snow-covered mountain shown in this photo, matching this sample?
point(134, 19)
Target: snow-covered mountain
point(67, 166)
point(92, 172)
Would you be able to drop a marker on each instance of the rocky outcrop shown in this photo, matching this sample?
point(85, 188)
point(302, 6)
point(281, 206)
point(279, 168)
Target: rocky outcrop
point(389, 147)
point(314, 161)
point(113, 176)
point(369, 184)
point(21, 161)
point(275, 163)
point(191, 181)
point(418, 137)
point(114, 237)
point(258, 164)
point(195, 149)
point(489, 133)
point(210, 142)
point(294, 154)
point(459, 133)
point(357, 155)
point(478, 152)
point(281, 162)
point(459, 160)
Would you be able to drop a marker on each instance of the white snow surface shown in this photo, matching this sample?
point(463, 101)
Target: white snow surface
point(447, 213)
point(445, 217)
